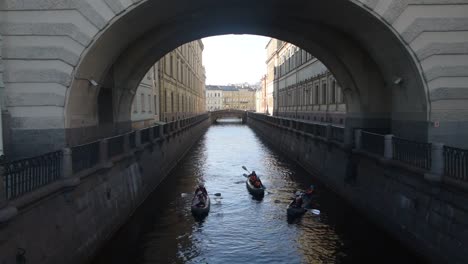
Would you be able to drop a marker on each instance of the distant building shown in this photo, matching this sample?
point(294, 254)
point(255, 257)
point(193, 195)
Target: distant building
point(234, 97)
point(261, 97)
point(303, 87)
point(214, 98)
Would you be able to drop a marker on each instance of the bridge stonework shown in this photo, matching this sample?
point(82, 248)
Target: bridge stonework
point(45, 42)
point(228, 113)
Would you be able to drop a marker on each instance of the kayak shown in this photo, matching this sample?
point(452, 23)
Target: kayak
point(295, 211)
point(196, 210)
point(253, 190)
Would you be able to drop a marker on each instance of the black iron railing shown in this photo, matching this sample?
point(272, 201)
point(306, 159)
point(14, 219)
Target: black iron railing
point(132, 139)
point(456, 163)
point(321, 130)
point(411, 152)
point(156, 132)
point(373, 143)
point(26, 175)
point(115, 146)
point(145, 135)
point(337, 134)
point(85, 156)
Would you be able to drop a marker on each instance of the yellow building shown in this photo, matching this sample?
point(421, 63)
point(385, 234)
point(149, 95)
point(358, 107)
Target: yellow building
point(236, 97)
point(182, 82)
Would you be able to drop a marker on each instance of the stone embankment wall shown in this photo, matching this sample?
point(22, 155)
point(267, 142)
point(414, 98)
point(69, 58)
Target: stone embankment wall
point(69, 224)
point(430, 218)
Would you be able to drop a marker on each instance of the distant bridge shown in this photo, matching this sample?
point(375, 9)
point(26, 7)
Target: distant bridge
point(228, 113)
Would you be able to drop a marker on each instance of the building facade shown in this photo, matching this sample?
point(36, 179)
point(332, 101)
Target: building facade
point(173, 88)
point(145, 110)
point(303, 87)
point(182, 82)
point(261, 97)
point(234, 96)
point(214, 98)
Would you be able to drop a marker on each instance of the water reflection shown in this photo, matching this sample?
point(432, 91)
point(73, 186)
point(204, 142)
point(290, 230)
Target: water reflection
point(240, 228)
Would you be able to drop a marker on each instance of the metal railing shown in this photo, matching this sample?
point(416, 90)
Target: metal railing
point(156, 132)
point(373, 143)
point(456, 163)
point(85, 156)
point(337, 134)
point(412, 152)
point(321, 130)
point(26, 175)
point(132, 139)
point(145, 135)
point(115, 146)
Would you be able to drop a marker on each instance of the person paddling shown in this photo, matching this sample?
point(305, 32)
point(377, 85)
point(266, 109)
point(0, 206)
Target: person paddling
point(201, 189)
point(254, 180)
point(298, 200)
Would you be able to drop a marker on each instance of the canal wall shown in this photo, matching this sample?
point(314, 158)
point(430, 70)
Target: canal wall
point(429, 217)
point(68, 220)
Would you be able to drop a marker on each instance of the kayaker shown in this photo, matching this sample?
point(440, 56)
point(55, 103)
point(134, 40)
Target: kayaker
point(309, 190)
point(201, 199)
point(253, 177)
point(257, 183)
point(201, 189)
point(298, 200)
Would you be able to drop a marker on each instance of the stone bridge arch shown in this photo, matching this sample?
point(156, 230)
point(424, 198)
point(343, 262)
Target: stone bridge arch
point(228, 113)
point(51, 49)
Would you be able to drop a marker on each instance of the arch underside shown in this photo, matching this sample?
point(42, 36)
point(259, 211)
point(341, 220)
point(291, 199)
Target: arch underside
point(366, 48)
point(351, 47)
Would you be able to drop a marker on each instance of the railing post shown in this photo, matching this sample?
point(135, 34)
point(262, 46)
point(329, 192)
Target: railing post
point(388, 147)
point(103, 151)
point(161, 131)
point(126, 142)
point(3, 193)
point(348, 136)
point(178, 125)
point(437, 162)
point(138, 138)
point(357, 139)
point(67, 163)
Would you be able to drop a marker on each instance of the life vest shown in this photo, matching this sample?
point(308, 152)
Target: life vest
point(253, 178)
point(257, 184)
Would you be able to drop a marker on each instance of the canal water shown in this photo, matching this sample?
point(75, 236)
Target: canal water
point(240, 228)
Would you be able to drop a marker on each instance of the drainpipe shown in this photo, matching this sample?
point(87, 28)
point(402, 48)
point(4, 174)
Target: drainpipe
point(2, 95)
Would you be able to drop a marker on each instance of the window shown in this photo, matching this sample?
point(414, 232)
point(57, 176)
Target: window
point(134, 105)
point(155, 105)
point(142, 102)
point(333, 92)
point(324, 93)
point(149, 103)
point(316, 94)
point(172, 66)
point(172, 102)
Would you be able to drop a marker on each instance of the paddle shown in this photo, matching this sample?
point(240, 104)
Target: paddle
point(186, 194)
point(314, 211)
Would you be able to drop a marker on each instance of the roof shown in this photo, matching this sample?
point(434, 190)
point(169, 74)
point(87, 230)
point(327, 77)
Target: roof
point(227, 88)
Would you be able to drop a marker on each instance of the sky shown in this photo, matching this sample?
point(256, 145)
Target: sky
point(232, 59)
